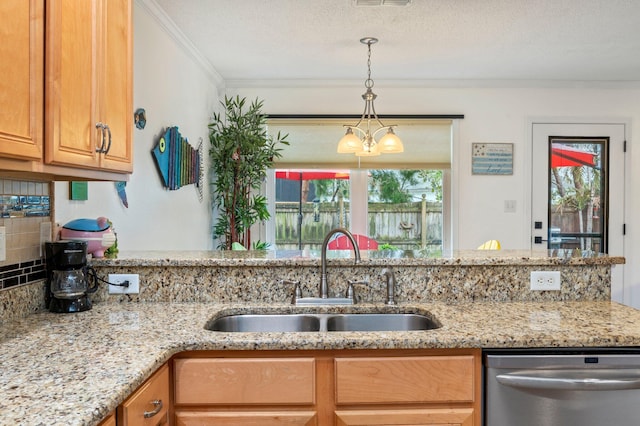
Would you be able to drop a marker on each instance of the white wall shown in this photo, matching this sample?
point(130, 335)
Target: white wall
point(175, 90)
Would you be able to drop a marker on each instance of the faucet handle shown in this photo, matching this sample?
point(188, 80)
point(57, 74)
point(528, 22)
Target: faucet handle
point(391, 284)
point(351, 294)
point(297, 292)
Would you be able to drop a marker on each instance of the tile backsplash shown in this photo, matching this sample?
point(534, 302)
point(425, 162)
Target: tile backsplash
point(24, 199)
point(25, 218)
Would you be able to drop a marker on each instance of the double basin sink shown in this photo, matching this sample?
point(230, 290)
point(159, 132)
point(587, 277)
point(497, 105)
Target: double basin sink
point(317, 322)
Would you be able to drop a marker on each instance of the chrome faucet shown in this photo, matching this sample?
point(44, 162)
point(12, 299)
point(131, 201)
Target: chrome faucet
point(391, 284)
point(324, 287)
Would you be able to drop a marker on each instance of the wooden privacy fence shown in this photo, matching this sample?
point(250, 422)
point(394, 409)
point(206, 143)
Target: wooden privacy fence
point(407, 226)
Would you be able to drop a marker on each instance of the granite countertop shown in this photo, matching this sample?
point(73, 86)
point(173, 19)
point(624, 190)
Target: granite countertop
point(369, 258)
point(73, 369)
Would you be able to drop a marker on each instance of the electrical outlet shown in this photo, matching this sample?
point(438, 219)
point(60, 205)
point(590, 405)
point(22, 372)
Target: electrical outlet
point(134, 283)
point(545, 280)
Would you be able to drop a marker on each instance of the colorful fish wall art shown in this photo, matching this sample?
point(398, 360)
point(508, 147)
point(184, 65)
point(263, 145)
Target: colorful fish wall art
point(178, 162)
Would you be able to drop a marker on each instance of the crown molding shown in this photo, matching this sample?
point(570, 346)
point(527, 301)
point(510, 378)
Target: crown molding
point(154, 10)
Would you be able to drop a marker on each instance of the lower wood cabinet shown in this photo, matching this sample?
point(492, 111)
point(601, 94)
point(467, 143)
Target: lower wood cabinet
point(414, 417)
point(246, 418)
point(222, 391)
point(150, 404)
point(347, 387)
point(110, 420)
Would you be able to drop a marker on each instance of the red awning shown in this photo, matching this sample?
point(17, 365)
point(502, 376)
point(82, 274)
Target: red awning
point(312, 174)
point(566, 156)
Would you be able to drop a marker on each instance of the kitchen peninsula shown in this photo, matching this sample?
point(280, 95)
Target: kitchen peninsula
point(74, 369)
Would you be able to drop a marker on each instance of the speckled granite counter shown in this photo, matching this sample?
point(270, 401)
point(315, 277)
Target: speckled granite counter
point(74, 369)
point(369, 258)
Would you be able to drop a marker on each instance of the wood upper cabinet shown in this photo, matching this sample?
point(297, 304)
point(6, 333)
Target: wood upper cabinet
point(88, 84)
point(21, 84)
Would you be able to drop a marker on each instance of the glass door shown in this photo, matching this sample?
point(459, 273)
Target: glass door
point(578, 193)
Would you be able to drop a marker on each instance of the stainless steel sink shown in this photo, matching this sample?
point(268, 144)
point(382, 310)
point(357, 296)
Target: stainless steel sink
point(266, 323)
point(309, 322)
point(380, 322)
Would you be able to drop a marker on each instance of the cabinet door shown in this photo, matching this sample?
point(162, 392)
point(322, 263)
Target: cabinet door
point(414, 417)
point(71, 83)
point(116, 77)
point(88, 81)
point(21, 84)
point(149, 405)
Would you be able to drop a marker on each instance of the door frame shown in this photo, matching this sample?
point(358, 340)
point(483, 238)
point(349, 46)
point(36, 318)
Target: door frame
point(528, 182)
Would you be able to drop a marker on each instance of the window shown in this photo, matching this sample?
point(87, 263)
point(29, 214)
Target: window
point(403, 207)
point(313, 189)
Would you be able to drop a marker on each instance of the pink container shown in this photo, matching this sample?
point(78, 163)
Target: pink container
point(96, 232)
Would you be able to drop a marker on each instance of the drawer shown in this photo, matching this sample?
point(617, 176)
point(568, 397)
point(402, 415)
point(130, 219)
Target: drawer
point(152, 396)
point(110, 420)
point(247, 418)
point(211, 381)
point(407, 379)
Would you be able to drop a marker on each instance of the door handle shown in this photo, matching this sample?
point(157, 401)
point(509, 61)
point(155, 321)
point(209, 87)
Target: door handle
point(591, 380)
point(101, 127)
point(106, 150)
point(157, 404)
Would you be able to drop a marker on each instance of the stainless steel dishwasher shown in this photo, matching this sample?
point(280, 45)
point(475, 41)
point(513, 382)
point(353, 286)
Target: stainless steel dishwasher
point(562, 388)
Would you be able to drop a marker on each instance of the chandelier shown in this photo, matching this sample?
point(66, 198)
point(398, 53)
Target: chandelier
point(363, 142)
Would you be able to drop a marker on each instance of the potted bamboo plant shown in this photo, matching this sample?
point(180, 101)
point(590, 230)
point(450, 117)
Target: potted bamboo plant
point(241, 152)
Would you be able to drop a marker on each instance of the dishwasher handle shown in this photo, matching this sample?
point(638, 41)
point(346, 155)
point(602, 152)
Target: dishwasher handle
point(568, 380)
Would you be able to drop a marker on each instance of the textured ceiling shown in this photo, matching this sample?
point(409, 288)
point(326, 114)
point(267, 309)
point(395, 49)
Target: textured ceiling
point(429, 40)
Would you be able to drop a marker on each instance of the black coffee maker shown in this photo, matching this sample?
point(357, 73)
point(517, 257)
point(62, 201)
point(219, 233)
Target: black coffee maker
point(69, 278)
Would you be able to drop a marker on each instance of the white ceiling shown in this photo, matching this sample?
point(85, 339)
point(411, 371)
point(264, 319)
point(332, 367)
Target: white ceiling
point(311, 41)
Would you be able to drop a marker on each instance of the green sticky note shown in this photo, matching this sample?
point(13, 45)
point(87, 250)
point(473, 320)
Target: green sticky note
point(79, 191)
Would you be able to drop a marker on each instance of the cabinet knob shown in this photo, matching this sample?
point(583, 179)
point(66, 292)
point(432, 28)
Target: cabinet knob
point(157, 404)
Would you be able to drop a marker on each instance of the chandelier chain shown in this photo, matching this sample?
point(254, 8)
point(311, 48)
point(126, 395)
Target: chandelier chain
point(368, 82)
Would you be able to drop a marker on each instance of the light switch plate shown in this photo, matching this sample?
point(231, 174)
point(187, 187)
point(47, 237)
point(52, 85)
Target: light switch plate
point(509, 206)
point(45, 235)
point(3, 243)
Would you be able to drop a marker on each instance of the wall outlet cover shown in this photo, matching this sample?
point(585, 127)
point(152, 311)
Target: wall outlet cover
point(545, 280)
point(134, 283)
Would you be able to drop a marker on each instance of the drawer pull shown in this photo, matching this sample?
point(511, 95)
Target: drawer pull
point(157, 403)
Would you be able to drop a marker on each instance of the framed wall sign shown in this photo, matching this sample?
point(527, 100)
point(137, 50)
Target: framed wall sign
point(492, 158)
